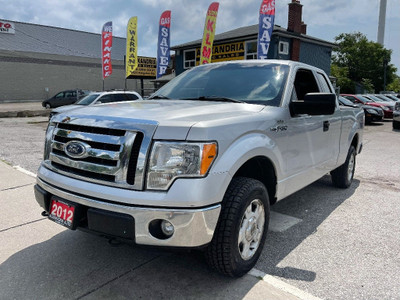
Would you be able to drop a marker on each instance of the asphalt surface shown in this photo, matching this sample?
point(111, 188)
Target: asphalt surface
point(339, 244)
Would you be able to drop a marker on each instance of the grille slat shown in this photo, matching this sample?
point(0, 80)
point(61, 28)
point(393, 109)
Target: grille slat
point(90, 137)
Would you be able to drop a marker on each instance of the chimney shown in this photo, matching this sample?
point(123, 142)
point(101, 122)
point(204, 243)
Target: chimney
point(303, 28)
point(294, 18)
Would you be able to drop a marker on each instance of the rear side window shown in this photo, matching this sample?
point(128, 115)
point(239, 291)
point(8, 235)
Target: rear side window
point(304, 83)
point(131, 97)
point(324, 83)
point(118, 97)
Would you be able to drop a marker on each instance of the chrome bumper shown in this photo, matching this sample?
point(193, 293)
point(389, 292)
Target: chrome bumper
point(193, 227)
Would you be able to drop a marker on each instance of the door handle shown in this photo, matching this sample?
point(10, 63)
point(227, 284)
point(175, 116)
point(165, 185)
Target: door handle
point(326, 125)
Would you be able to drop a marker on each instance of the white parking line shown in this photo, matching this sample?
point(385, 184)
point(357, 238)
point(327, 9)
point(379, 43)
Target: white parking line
point(280, 222)
point(283, 286)
point(18, 168)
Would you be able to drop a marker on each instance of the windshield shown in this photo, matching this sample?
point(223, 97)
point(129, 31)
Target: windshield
point(88, 99)
point(346, 101)
point(234, 82)
point(363, 99)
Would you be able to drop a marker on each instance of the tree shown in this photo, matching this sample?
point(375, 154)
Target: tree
point(395, 85)
point(365, 60)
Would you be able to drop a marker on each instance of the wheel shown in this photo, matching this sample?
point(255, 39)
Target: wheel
point(396, 125)
point(343, 176)
point(242, 228)
point(47, 105)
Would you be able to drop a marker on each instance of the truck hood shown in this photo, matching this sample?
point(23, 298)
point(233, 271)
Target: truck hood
point(173, 117)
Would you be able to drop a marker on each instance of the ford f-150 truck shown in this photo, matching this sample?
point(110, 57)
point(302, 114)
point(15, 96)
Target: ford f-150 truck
point(198, 164)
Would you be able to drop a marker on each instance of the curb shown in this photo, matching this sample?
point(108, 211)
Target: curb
point(24, 113)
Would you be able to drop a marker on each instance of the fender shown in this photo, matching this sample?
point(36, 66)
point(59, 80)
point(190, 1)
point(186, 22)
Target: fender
point(245, 148)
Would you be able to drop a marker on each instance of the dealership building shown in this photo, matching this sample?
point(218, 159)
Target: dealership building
point(291, 43)
point(38, 61)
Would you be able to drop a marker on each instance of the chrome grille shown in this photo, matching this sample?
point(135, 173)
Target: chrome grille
point(110, 155)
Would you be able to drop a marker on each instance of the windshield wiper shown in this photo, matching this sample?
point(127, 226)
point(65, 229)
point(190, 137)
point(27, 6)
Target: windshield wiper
point(216, 98)
point(159, 97)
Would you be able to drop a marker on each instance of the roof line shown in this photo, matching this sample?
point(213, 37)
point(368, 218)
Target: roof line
point(55, 27)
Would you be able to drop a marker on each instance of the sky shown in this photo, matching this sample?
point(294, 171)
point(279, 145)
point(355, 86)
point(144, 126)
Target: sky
point(324, 19)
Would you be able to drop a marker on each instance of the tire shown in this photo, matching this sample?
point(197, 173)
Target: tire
point(342, 177)
point(242, 228)
point(47, 105)
point(396, 125)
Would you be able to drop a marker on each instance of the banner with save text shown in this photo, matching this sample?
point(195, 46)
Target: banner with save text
point(163, 46)
point(209, 33)
point(265, 27)
point(131, 59)
point(106, 44)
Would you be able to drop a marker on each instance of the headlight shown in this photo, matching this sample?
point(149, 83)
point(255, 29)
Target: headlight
point(372, 111)
point(169, 160)
point(385, 108)
point(49, 138)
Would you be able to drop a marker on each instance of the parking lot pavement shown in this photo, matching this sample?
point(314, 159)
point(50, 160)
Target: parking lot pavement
point(42, 260)
point(328, 242)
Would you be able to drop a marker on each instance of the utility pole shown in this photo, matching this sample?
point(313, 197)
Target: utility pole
point(382, 21)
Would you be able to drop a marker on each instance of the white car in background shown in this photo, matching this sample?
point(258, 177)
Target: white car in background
point(96, 98)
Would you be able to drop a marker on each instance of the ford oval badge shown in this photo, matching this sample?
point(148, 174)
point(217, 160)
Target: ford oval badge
point(75, 149)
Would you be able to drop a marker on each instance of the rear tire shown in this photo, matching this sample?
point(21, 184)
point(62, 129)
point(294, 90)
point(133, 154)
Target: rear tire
point(342, 177)
point(396, 125)
point(242, 228)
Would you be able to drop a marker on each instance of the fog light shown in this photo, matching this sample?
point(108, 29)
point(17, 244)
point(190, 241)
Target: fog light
point(167, 228)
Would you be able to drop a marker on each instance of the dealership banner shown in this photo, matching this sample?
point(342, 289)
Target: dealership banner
point(265, 27)
point(209, 33)
point(131, 60)
point(163, 47)
point(106, 45)
point(7, 27)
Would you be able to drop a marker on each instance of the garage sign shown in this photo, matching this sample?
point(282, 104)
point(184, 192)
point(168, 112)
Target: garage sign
point(7, 27)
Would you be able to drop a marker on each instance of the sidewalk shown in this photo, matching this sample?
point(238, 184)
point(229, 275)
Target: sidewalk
point(53, 262)
point(22, 109)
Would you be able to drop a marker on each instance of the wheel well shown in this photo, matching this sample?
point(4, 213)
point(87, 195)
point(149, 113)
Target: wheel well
point(354, 142)
point(262, 169)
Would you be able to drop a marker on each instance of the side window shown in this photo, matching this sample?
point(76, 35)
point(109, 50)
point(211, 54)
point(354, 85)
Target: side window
point(118, 97)
point(305, 83)
point(74, 94)
point(104, 99)
point(324, 83)
point(131, 97)
point(60, 95)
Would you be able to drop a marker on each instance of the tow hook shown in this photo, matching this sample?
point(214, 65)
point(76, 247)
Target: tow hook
point(45, 214)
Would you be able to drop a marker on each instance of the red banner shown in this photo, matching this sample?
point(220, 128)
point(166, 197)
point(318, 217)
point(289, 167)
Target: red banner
point(106, 44)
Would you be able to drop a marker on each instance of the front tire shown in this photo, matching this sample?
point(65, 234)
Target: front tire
point(396, 125)
point(242, 228)
point(342, 177)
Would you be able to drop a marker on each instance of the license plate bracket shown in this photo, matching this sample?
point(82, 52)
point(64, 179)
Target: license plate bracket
point(63, 212)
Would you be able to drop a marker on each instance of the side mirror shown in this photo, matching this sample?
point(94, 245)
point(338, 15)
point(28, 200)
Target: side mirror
point(314, 104)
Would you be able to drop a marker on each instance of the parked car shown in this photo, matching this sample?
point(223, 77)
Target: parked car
point(392, 97)
point(96, 98)
point(396, 116)
point(387, 111)
point(64, 98)
point(385, 99)
point(372, 114)
point(388, 104)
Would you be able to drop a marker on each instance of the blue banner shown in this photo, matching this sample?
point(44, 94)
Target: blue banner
point(265, 27)
point(163, 46)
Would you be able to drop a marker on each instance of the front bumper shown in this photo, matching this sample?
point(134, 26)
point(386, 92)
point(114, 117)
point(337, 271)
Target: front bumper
point(193, 227)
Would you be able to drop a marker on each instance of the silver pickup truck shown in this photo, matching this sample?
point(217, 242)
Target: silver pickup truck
point(199, 163)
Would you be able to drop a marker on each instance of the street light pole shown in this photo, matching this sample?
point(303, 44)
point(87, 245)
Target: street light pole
point(382, 20)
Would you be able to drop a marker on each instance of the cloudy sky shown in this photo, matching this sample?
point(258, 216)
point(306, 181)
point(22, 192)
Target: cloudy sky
point(325, 19)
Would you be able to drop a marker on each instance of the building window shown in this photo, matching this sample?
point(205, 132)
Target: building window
point(189, 59)
point(284, 48)
point(251, 50)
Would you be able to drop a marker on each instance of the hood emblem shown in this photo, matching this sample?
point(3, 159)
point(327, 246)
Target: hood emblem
point(76, 149)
